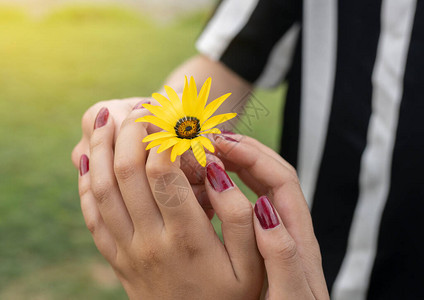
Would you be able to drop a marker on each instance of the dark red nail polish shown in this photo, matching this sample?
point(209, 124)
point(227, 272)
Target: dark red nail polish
point(218, 178)
point(227, 132)
point(265, 213)
point(227, 138)
point(84, 164)
point(101, 118)
point(140, 104)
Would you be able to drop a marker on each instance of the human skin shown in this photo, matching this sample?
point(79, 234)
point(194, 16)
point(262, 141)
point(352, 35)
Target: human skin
point(281, 245)
point(289, 247)
point(148, 224)
point(200, 67)
point(164, 247)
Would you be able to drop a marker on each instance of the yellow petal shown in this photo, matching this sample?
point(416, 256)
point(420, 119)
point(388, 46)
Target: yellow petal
point(163, 101)
point(175, 100)
point(182, 146)
point(215, 120)
point(168, 115)
point(158, 135)
point(213, 131)
point(168, 144)
point(192, 91)
point(204, 94)
point(198, 152)
point(206, 143)
point(156, 121)
point(187, 102)
point(212, 107)
point(156, 143)
point(166, 105)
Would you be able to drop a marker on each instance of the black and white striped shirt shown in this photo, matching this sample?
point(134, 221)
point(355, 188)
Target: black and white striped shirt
point(353, 125)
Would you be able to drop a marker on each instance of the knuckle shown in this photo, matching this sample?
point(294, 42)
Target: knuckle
point(129, 121)
point(188, 248)
point(84, 189)
point(292, 176)
point(101, 189)
point(185, 243)
point(287, 251)
point(92, 225)
point(239, 213)
point(155, 170)
point(148, 258)
point(124, 167)
point(96, 142)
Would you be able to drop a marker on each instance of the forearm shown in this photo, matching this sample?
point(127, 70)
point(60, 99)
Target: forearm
point(223, 81)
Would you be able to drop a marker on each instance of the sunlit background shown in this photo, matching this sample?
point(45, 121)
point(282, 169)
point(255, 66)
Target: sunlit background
point(57, 58)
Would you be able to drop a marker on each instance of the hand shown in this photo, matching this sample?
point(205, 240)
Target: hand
point(120, 110)
point(283, 224)
point(147, 223)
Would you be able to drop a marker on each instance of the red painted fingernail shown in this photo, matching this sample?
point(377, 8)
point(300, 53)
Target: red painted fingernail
point(227, 132)
point(218, 178)
point(101, 118)
point(265, 213)
point(140, 104)
point(84, 166)
point(227, 138)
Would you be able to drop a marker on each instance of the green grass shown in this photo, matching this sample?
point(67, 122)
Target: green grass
point(51, 71)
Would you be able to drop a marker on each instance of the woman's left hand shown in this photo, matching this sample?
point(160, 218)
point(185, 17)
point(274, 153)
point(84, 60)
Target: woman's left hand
point(146, 221)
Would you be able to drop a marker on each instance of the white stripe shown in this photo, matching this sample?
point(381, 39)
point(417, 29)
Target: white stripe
point(318, 69)
point(374, 177)
point(229, 19)
point(280, 59)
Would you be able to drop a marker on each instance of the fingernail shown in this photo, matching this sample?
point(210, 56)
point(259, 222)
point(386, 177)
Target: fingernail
point(218, 178)
point(84, 164)
point(227, 132)
point(101, 118)
point(265, 213)
point(227, 138)
point(140, 104)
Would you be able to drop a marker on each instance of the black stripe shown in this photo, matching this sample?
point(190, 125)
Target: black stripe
point(398, 271)
point(337, 187)
point(248, 52)
point(290, 135)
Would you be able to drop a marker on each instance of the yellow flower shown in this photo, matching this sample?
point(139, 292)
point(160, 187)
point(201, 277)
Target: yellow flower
point(185, 122)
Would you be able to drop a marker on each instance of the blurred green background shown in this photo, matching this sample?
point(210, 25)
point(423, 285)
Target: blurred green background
point(52, 68)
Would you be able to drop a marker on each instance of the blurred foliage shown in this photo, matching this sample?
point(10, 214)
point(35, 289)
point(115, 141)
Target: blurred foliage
point(51, 70)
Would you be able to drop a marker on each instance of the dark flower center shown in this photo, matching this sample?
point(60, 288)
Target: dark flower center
point(187, 128)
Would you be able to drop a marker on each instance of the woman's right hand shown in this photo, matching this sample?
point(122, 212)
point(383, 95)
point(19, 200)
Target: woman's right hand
point(283, 225)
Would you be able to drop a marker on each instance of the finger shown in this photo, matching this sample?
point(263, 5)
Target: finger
point(201, 195)
point(82, 147)
point(174, 197)
point(278, 180)
point(230, 136)
point(225, 144)
point(104, 186)
point(283, 184)
point(101, 236)
point(130, 171)
point(235, 212)
point(286, 277)
point(194, 172)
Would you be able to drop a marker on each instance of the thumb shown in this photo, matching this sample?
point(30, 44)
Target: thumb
point(286, 277)
point(236, 213)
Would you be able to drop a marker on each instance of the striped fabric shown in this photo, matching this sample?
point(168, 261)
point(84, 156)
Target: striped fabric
point(353, 125)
